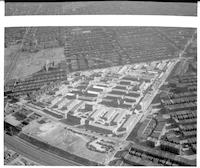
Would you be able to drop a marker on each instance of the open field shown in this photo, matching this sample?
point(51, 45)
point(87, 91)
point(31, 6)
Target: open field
point(56, 135)
point(8, 57)
point(29, 63)
point(21, 60)
point(102, 7)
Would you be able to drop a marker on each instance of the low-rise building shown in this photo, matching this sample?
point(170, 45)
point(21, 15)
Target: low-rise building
point(117, 120)
point(130, 122)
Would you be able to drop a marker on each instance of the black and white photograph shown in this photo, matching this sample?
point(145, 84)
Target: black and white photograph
point(99, 83)
point(101, 7)
point(100, 96)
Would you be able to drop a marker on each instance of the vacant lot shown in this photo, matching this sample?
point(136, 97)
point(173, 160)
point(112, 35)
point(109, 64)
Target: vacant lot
point(55, 134)
point(28, 63)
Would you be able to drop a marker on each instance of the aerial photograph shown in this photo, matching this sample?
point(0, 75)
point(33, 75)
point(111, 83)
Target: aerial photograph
point(100, 7)
point(100, 96)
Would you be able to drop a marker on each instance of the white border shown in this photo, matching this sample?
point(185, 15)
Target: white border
point(100, 20)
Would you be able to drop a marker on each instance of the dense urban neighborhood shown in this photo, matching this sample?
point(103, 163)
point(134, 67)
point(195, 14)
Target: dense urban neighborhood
point(115, 96)
point(101, 7)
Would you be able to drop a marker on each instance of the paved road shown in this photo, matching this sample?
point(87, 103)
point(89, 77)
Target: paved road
point(36, 154)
